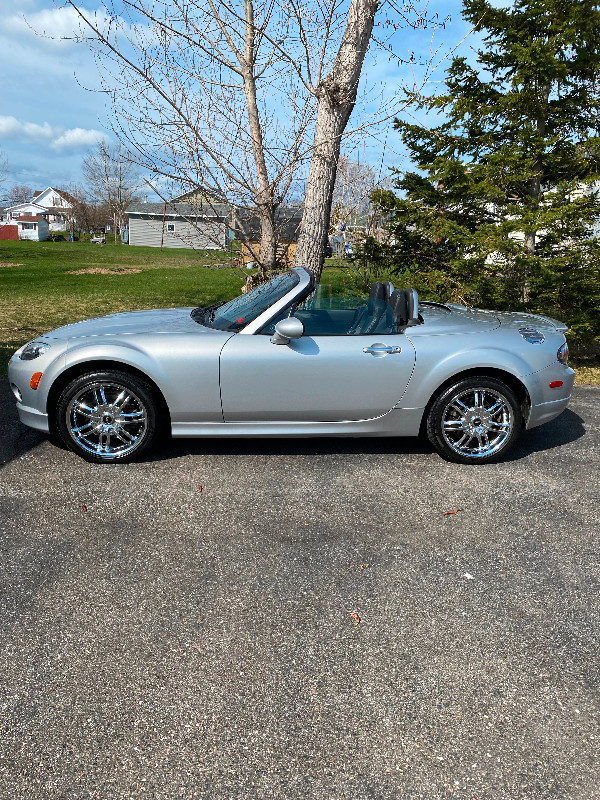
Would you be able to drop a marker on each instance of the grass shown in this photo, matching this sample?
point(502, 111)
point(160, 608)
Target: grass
point(586, 376)
point(47, 284)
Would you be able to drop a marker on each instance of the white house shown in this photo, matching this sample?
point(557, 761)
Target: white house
point(54, 204)
point(12, 213)
point(58, 204)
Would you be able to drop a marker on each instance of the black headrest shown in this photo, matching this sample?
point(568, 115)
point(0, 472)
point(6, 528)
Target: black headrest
point(378, 291)
point(399, 304)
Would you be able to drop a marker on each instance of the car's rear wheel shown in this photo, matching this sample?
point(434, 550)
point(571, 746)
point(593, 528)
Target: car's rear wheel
point(107, 416)
point(474, 421)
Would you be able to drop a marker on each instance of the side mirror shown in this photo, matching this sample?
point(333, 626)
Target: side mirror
point(286, 329)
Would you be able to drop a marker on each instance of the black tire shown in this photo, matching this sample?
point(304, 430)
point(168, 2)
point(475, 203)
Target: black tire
point(474, 421)
point(108, 416)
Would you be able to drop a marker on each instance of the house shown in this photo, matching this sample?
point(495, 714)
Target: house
point(58, 204)
point(188, 221)
point(54, 204)
point(29, 209)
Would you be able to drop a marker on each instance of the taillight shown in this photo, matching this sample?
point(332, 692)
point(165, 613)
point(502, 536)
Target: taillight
point(563, 353)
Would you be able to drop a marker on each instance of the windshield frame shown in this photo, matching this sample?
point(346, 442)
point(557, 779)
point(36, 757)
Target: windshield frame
point(304, 286)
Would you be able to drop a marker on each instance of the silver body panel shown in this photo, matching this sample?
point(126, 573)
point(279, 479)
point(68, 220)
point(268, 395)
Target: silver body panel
point(219, 383)
point(312, 379)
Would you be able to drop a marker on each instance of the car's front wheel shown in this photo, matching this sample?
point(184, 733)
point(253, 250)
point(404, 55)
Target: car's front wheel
point(475, 420)
point(107, 417)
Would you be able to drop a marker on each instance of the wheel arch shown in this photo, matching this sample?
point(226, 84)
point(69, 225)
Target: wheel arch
point(96, 365)
point(517, 386)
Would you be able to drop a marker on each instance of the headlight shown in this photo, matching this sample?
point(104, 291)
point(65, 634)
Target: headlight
point(34, 350)
point(563, 353)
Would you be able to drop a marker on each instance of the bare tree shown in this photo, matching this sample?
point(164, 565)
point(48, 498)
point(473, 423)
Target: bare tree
point(19, 194)
point(84, 214)
point(111, 180)
point(354, 184)
point(244, 100)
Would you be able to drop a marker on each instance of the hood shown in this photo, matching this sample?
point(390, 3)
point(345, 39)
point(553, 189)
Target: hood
point(162, 320)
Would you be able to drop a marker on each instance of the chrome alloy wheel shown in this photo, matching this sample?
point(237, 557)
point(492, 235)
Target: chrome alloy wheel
point(106, 419)
point(477, 422)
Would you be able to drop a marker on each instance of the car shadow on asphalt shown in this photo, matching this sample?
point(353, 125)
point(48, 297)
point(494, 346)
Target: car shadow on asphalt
point(566, 428)
point(16, 440)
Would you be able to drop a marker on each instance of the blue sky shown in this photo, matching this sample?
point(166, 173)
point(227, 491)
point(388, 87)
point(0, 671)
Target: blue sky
point(50, 115)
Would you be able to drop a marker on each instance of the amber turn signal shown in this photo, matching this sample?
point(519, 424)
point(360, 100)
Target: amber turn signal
point(35, 380)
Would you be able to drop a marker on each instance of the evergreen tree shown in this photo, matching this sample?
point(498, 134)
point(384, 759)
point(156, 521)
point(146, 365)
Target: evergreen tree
point(505, 204)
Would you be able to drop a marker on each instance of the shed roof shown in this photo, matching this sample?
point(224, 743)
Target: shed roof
point(176, 209)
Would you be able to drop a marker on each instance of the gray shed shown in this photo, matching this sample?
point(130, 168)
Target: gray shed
point(178, 224)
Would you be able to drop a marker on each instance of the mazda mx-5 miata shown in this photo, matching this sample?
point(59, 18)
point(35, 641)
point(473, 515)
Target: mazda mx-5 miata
point(286, 359)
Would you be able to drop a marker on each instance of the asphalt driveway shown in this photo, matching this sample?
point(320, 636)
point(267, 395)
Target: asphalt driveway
point(301, 620)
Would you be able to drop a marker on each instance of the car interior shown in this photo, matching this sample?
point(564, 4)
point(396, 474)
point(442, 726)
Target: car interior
point(386, 311)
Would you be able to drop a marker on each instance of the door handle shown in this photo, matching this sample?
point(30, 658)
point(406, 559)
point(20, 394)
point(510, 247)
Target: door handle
point(381, 350)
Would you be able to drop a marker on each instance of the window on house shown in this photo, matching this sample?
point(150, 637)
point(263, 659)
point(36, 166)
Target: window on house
point(28, 226)
point(171, 227)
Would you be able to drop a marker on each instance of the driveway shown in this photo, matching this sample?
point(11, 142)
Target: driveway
point(183, 627)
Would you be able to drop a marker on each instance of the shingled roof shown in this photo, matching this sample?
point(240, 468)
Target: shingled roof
point(177, 209)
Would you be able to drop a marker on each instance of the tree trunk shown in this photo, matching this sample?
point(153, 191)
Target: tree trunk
point(336, 96)
point(264, 196)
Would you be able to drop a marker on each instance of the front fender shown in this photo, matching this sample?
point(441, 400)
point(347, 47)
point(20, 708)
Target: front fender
point(187, 375)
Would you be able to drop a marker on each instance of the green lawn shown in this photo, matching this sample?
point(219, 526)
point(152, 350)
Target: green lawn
point(47, 284)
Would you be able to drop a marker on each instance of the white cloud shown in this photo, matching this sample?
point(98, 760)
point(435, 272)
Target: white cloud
point(11, 128)
point(58, 26)
point(76, 138)
point(68, 25)
point(59, 139)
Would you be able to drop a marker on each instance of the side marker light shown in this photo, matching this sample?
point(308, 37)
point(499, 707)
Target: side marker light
point(555, 384)
point(35, 380)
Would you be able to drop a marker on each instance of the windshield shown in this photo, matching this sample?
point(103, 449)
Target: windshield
point(238, 313)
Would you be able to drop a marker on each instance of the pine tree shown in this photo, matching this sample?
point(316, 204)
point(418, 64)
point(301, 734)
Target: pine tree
point(504, 206)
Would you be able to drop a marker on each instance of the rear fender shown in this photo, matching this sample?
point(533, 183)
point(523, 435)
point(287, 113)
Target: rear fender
point(431, 373)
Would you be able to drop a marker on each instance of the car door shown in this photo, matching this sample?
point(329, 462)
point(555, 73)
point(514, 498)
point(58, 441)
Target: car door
point(314, 378)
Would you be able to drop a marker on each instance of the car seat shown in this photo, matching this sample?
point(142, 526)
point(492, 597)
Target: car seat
point(367, 317)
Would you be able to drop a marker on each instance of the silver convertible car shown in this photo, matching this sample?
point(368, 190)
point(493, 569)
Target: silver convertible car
point(287, 360)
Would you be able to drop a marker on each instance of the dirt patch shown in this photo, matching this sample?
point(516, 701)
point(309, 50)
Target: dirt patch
point(10, 264)
point(104, 271)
